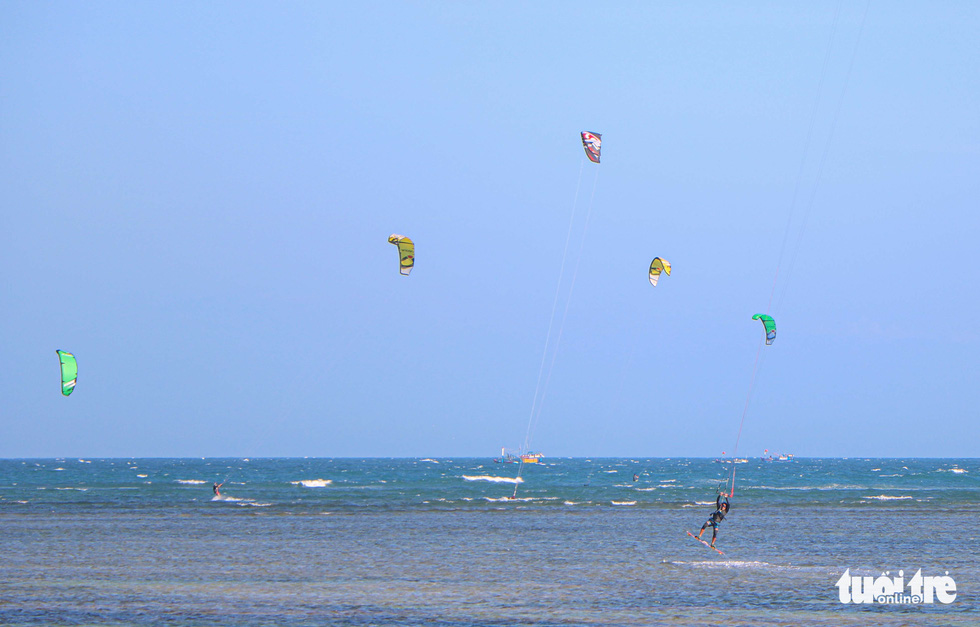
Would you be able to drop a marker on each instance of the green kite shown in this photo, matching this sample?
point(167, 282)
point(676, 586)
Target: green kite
point(770, 326)
point(69, 372)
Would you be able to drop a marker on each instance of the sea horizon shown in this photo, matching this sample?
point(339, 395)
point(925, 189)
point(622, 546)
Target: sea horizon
point(396, 457)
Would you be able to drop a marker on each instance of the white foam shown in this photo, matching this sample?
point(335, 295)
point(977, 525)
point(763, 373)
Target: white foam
point(191, 481)
point(313, 483)
point(493, 479)
point(646, 489)
point(733, 564)
point(79, 489)
point(142, 476)
point(505, 499)
point(241, 502)
point(624, 502)
point(570, 503)
point(431, 461)
point(958, 471)
point(885, 497)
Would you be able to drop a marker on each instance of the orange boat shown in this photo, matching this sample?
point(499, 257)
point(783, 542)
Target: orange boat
point(511, 458)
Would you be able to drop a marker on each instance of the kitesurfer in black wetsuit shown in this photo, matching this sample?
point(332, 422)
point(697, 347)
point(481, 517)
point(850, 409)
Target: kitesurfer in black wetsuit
point(215, 486)
point(716, 517)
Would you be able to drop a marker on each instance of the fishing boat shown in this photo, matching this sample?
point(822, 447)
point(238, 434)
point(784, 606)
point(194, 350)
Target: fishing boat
point(507, 457)
point(782, 457)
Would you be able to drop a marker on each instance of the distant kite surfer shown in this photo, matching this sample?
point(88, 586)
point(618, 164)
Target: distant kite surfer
point(716, 517)
point(215, 487)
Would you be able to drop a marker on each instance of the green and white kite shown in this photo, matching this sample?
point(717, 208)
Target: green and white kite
point(69, 372)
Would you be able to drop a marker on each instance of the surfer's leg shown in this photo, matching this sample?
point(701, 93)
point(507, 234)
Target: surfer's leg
point(702, 530)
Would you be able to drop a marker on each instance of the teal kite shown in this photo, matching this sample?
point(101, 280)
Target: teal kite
point(770, 326)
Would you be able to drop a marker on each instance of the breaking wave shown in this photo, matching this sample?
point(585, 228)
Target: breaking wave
point(313, 483)
point(493, 479)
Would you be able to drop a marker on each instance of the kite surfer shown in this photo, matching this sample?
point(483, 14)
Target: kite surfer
point(215, 487)
point(716, 517)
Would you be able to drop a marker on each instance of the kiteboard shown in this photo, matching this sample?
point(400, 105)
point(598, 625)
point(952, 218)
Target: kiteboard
point(704, 543)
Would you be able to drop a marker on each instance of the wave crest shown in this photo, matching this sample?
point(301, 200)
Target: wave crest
point(493, 479)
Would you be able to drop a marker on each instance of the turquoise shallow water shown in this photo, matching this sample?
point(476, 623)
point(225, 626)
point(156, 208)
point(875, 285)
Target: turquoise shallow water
point(416, 542)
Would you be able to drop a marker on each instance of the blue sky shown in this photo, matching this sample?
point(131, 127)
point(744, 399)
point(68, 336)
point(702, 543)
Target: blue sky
point(196, 199)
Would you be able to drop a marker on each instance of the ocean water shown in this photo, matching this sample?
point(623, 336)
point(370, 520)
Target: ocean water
point(439, 541)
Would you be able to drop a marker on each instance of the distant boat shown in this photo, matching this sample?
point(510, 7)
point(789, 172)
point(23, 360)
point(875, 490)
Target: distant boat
point(777, 458)
point(507, 457)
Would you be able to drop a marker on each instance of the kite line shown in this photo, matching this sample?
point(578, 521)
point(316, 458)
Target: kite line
point(591, 143)
point(808, 209)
